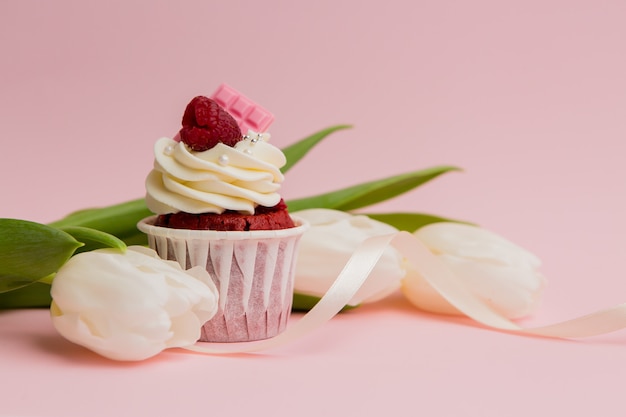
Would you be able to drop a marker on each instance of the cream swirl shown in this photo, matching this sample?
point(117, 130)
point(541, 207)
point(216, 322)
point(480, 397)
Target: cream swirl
point(222, 178)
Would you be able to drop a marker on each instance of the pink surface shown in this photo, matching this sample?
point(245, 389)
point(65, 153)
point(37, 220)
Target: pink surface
point(528, 97)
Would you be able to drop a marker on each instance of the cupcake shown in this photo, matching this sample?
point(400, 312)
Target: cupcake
point(214, 192)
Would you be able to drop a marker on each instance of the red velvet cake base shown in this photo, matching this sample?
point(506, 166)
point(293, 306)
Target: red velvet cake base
point(264, 218)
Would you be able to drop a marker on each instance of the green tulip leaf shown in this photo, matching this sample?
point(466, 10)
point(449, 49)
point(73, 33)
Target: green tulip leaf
point(305, 302)
point(30, 251)
point(34, 295)
point(93, 239)
point(298, 150)
point(137, 238)
point(366, 194)
point(409, 222)
point(119, 220)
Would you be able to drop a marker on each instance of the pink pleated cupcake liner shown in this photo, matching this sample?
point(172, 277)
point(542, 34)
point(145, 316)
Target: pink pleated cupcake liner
point(253, 271)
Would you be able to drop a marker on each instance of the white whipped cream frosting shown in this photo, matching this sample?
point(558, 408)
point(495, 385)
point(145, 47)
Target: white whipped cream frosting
point(222, 178)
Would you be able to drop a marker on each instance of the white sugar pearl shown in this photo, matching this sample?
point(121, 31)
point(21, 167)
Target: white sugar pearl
point(223, 160)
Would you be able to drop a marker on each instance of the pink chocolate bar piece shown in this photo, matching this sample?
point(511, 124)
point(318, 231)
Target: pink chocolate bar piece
point(246, 112)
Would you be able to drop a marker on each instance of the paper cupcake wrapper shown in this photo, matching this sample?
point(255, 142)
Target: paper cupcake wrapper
point(253, 271)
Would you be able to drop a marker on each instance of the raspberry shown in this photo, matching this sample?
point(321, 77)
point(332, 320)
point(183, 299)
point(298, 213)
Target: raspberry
point(205, 124)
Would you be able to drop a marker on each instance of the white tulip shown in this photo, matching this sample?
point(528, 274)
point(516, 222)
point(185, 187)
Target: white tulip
point(328, 244)
point(494, 269)
point(131, 305)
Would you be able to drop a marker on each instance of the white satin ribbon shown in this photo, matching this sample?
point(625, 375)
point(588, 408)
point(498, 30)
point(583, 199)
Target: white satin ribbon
point(358, 268)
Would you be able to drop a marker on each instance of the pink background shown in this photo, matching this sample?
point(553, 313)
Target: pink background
point(528, 97)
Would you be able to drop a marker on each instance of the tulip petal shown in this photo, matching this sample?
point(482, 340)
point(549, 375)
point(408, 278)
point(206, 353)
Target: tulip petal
point(494, 269)
point(330, 241)
point(473, 242)
point(131, 305)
